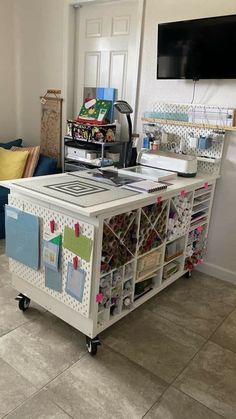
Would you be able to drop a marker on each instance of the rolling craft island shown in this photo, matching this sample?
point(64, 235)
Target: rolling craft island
point(90, 253)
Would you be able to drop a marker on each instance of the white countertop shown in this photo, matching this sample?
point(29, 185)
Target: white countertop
point(19, 187)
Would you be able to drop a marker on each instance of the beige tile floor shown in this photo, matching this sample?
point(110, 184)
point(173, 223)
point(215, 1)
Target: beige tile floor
point(173, 358)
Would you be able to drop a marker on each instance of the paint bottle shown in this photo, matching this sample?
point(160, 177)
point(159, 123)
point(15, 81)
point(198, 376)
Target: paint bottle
point(146, 142)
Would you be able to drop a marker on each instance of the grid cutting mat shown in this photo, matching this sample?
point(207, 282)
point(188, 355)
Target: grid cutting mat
point(37, 278)
point(76, 190)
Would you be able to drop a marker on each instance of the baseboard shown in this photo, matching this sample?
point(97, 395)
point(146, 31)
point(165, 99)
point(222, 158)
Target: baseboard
point(218, 272)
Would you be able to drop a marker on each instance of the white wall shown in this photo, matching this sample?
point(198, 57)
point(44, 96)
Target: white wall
point(7, 72)
point(43, 51)
point(221, 259)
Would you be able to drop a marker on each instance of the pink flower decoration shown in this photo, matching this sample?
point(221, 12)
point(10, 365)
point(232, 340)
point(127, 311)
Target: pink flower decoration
point(182, 193)
point(200, 228)
point(99, 298)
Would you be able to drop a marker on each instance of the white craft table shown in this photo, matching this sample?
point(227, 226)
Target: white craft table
point(131, 234)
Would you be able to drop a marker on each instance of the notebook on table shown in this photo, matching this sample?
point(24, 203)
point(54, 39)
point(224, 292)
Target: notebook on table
point(147, 186)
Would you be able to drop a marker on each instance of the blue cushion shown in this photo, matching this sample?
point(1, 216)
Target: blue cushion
point(3, 197)
point(2, 225)
point(46, 166)
point(3, 201)
point(10, 144)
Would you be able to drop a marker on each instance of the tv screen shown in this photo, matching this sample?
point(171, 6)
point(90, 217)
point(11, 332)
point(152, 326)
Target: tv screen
point(197, 49)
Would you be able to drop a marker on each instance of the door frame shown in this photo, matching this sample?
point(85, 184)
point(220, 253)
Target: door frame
point(140, 20)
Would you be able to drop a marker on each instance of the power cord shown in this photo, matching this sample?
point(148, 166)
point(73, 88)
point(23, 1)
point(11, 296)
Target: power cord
point(194, 90)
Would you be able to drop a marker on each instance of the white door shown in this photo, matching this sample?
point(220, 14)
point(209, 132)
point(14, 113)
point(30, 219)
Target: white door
point(107, 46)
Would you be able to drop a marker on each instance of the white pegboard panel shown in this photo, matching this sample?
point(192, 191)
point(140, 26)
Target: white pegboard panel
point(37, 278)
point(183, 135)
point(15, 202)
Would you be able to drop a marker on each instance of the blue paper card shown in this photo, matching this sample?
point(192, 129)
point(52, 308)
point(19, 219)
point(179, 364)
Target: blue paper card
point(50, 255)
point(22, 236)
point(53, 279)
point(75, 282)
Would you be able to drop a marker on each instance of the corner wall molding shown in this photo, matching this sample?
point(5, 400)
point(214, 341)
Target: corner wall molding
point(218, 272)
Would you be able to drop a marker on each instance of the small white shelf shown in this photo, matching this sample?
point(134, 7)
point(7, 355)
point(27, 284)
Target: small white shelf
point(150, 274)
point(196, 203)
point(72, 160)
point(209, 159)
point(199, 218)
point(174, 258)
point(194, 226)
point(203, 208)
point(188, 124)
point(201, 192)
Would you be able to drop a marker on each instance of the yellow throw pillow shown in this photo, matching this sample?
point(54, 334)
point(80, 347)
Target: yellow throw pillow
point(12, 163)
point(32, 160)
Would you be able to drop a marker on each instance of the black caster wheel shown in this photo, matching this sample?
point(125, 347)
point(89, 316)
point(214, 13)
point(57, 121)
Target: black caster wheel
point(92, 345)
point(188, 274)
point(24, 302)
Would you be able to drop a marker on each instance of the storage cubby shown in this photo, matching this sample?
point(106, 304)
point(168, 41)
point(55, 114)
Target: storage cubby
point(142, 287)
point(117, 288)
point(174, 249)
point(119, 240)
point(152, 227)
point(179, 215)
point(172, 268)
point(149, 263)
point(147, 249)
point(196, 247)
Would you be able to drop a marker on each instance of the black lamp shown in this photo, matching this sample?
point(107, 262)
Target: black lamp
point(124, 108)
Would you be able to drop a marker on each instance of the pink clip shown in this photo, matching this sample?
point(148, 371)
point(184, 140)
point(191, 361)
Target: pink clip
point(159, 199)
point(77, 228)
point(52, 226)
point(206, 186)
point(182, 193)
point(200, 228)
point(75, 262)
point(99, 298)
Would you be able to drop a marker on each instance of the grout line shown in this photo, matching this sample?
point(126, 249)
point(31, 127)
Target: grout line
point(178, 324)
point(186, 327)
point(72, 417)
point(206, 340)
point(42, 388)
point(192, 398)
point(135, 363)
point(158, 401)
point(204, 344)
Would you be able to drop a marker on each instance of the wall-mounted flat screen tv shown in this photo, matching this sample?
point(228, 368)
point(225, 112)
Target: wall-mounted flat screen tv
point(197, 49)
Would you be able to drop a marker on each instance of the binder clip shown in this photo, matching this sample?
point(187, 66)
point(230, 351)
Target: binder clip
point(52, 226)
point(75, 262)
point(182, 193)
point(77, 228)
point(206, 186)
